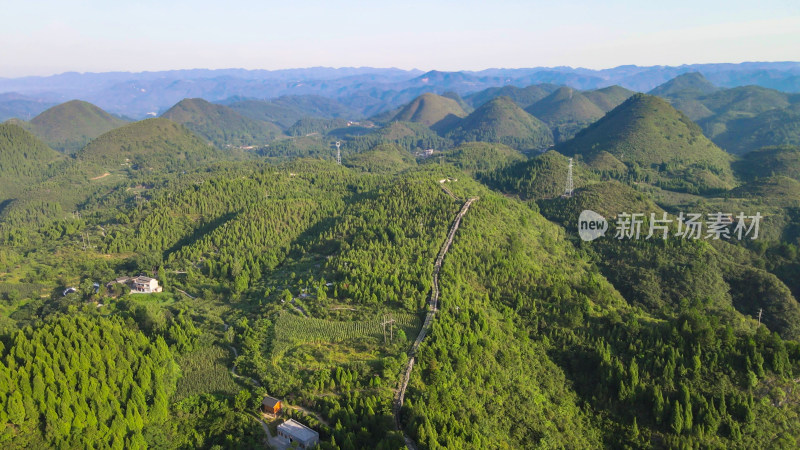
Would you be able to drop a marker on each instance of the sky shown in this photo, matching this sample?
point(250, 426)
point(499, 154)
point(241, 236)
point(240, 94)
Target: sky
point(43, 37)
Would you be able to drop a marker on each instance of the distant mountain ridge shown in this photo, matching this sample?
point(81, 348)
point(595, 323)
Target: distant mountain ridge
point(368, 90)
point(13, 105)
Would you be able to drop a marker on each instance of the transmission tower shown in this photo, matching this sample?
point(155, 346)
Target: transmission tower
point(569, 187)
point(338, 153)
point(388, 321)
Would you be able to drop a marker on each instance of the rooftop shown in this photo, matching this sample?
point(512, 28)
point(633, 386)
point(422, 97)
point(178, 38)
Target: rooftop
point(298, 430)
point(270, 402)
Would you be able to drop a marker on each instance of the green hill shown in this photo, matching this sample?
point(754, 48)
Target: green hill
point(383, 158)
point(565, 105)
point(408, 135)
point(566, 111)
point(745, 99)
point(685, 93)
point(769, 162)
point(401, 130)
point(264, 111)
point(542, 176)
point(748, 117)
point(607, 198)
point(24, 159)
point(458, 99)
point(220, 124)
point(287, 110)
point(659, 145)
point(609, 97)
point(778, 190)
point(523, 97)
point(152, 145)
point(481, 157)
point(692, 107)
point(501, 120)
point(770, 128)
point(69, 126)
point(429, 109)
point(692, 84)
point(317, 106)
point(315, 125)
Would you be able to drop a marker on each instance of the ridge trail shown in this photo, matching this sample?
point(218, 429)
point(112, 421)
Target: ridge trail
point(433, 307)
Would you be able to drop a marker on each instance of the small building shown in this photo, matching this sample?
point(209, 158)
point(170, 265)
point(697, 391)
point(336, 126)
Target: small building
point(119, 280)
point(144, 285)
point(294, 431)
point(271, 405)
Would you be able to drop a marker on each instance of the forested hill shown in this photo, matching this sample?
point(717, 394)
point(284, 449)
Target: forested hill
point(285, 274)
point(608, 98)
point(69, 126)
point(151, 144)
point(23, 159)
point(523, 97)
point(429, 109)
point(565, 111)
point(501, 120)
point(658, 142)
point(221, 125)
point(563, 105)
point(689, 84)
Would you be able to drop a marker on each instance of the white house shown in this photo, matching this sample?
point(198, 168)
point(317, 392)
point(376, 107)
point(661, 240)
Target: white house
point(144, 285)
point(294, 431)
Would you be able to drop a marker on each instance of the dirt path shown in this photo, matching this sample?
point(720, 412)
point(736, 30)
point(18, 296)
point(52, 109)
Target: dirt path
point(186, 294)
point(299, 308)
point(310, 413)
point(101, 176)
point(233, 365)
point(433, 307)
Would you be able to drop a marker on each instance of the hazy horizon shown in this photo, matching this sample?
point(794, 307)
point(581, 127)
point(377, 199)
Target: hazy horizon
point(48, 37)
point(423, 70)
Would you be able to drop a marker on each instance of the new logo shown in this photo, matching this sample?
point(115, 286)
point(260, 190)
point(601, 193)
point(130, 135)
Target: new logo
point(591, 225)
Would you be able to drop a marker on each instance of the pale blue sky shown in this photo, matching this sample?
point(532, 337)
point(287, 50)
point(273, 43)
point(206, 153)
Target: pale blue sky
point(46, 37)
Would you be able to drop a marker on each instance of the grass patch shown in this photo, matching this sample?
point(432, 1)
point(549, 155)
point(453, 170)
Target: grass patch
point(292, 330)
point(206, 370)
